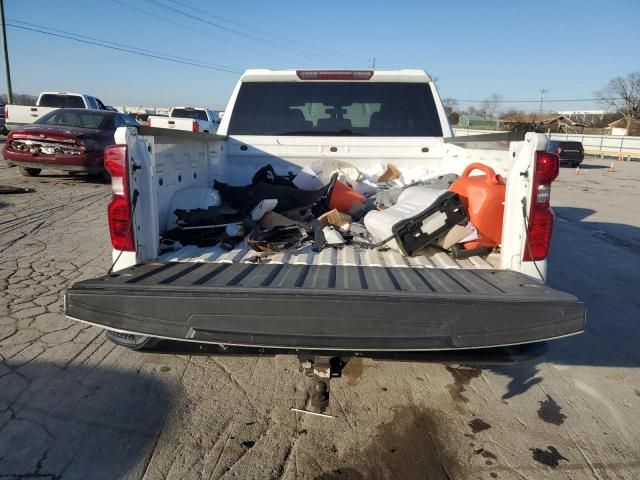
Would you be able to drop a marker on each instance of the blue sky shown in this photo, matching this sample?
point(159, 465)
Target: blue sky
point(474, 48)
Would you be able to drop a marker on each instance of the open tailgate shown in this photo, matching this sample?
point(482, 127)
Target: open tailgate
point(326, 307)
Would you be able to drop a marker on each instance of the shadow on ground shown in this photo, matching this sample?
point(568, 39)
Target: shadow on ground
point(77, 421)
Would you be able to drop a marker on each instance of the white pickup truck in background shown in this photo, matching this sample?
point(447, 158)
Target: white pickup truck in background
point(18, 115)
point(345, 299)
point(188, 118)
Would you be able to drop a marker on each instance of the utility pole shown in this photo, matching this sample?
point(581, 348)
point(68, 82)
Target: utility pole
point(542, 92)
point(6, 53)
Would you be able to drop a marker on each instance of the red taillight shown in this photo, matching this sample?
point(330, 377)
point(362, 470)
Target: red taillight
point(115, 160)
point(195, 127)
point(547, 167)
point(120, 224)
point(119, 209)
point(334, 74)
point(540, 230)
point(541, 214)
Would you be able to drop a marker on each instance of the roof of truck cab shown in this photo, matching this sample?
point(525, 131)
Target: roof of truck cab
point(266, 75)
point(66, 93)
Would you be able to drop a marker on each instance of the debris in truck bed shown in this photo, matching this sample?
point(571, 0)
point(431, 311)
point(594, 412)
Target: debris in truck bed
point(456, 235)
point(332, 236)
point(210, 217)
point(346, 200)
point(335, 218)
point(418, 219)
point(390, 173)
point(199, 238)
point(262, 208)
point(483, 197)
point(289, 196)
point(274, 214)
point(277, 239)
point(388, 194)
point(273, 219)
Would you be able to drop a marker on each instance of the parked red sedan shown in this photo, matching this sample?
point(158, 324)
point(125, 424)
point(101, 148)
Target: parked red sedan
point(69, 139)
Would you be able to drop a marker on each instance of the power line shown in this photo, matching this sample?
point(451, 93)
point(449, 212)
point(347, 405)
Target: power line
point(128, 49)
point(191, 29)
point(538, 100)
point(270, 34)
point(154, 52)
point(227, 29)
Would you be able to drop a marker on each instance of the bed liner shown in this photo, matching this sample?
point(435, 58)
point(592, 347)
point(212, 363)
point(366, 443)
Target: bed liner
point(349, 255)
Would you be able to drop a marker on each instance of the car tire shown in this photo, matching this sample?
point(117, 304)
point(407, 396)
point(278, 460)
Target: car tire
point(106, 177)
point(29, 172)
point(575, 164)
point(133, 342)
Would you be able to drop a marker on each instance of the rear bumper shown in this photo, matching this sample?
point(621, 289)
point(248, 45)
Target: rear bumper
point(90, 162)
point(571, 160)
point(274, 306)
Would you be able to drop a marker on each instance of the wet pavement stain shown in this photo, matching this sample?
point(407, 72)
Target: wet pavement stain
point(461, 378)
point(248, 444)
point(637, 392)
point(549, 457)
point(549, 411)
point(478, 425)
point(354, 369)
point(411, 445)
point(493, 475)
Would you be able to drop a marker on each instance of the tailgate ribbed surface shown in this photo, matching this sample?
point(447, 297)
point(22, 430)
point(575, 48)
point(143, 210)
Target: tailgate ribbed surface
point(334, 279)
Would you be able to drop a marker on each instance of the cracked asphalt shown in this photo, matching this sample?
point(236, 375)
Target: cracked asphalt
point(75, 406)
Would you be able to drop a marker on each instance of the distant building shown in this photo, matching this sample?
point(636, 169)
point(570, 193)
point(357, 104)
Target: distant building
point(470, 121)
point(619, 127)
point(553, 123)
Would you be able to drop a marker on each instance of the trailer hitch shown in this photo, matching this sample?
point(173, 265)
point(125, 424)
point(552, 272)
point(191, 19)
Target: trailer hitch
point(322, 369)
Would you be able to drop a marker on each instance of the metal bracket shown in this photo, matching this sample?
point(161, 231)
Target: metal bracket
point(322, 369)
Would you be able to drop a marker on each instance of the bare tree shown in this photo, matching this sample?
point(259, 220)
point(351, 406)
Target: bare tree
point(623, 95)
point(450, 105)
point(489, 106)
point(20, 99)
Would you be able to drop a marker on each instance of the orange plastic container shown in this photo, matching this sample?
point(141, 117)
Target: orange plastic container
point(483, 197)
point(345, 199)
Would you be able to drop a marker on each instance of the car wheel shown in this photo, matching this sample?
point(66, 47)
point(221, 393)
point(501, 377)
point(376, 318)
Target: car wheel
point(575, 164)
point(134, 342)
point(106, 177)
point(29, 172)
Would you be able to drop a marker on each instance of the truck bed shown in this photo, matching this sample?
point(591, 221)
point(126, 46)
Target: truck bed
point(349, 255)
point(326, 307)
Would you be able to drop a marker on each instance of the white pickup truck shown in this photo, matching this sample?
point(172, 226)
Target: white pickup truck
point(347, 299)
point(188, 118)
point(18, 115)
